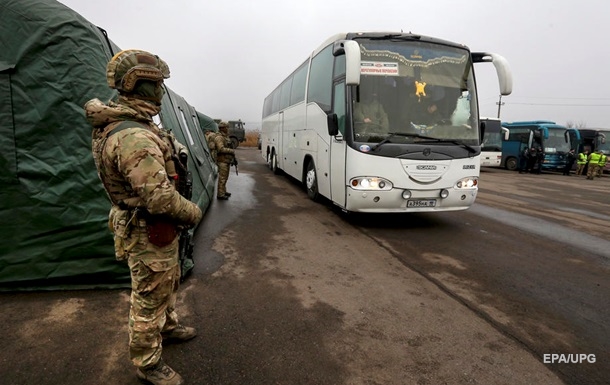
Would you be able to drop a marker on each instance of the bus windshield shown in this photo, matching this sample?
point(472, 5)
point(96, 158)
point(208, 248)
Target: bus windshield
point(414, 87)
point(556, 142)
point(602, 142)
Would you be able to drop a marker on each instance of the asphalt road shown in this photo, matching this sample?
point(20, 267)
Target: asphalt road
point(288, 291)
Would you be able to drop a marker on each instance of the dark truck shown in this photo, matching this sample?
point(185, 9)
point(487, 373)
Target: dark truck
point(237, 131)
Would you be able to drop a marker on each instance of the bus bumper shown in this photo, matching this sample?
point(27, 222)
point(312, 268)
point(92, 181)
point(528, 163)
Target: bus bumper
point(419, 201)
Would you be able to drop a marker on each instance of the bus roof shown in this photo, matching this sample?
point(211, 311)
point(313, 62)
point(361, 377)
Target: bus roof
point(377, 34)
point(541, 123)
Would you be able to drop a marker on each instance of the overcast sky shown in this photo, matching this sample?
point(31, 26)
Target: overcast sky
point(226, 56)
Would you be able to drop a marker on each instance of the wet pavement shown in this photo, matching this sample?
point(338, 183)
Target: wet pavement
point(287, 291)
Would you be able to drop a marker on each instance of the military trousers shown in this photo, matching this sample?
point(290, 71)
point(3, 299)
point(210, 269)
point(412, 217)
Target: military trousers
point(592, 171)
point(223, 176)
point(155, 277)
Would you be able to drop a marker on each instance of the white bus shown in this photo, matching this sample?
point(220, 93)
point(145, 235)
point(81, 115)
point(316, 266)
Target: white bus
point(491, 146)
point(420, 149)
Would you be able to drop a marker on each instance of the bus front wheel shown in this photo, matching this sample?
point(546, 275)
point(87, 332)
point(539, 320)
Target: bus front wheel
point(511, 164)
point(311, 182)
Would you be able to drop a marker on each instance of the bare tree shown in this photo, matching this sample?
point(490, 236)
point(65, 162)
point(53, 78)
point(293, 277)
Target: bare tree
point(579, 125)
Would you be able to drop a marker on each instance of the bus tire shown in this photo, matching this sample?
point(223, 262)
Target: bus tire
point(273, 163)
point(512, 164)
point(311, 182)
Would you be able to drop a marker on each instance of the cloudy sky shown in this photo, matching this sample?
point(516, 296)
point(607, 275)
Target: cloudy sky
point(226, 56)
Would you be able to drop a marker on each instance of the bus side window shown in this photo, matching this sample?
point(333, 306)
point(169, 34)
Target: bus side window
point(320, 79)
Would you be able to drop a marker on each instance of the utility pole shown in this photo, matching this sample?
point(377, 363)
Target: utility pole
point(500, 104)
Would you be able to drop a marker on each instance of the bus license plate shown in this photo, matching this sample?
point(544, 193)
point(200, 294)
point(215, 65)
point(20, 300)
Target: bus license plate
point(421, 203)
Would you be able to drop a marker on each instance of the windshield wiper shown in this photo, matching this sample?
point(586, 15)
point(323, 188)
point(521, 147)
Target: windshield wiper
point(454, 141)
point(393, 134)
point(396, 36)
point(426, 138)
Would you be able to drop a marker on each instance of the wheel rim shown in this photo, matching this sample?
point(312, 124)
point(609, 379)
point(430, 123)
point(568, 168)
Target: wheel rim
point(310, 179)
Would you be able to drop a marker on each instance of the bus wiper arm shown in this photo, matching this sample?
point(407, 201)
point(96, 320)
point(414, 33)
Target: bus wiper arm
point(409, 135)
point(393, 134)
point(458, 142)
point(396, 36)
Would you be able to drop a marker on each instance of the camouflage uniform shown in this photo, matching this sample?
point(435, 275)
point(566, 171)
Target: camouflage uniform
point(225, 158)
point(137, 166)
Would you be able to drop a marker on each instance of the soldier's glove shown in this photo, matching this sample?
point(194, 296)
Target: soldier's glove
point(234, 162)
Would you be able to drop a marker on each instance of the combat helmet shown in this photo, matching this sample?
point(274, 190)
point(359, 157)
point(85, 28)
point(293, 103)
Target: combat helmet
point(223, 127)
point(128, 66)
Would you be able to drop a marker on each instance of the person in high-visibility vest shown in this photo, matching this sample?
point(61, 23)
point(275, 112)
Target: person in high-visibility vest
point(601, 164)
point(581, 162)
point(593, 164)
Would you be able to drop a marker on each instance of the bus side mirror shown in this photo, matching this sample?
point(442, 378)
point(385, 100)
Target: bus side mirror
point(505, 76)
point(351, 50)
point(482, 131)
point(333, 124)
point(506, 133)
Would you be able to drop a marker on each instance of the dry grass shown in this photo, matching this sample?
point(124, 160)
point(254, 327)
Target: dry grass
point(251, 139)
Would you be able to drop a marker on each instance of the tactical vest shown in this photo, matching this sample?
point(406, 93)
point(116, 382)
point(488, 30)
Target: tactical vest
point(226, 154)
point(118, 189)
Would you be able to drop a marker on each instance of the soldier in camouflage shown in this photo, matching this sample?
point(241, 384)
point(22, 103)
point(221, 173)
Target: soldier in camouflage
point(137, 163)
point(224, 159)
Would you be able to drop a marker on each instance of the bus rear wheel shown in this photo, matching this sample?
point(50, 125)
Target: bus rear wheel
point(273, 163)
point(311, 182)
point(511, 164)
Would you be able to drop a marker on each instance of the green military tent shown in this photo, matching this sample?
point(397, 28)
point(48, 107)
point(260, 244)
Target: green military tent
point(53, 231)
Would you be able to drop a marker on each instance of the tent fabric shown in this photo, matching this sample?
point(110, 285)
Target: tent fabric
point(53, 209)
point(207, 123)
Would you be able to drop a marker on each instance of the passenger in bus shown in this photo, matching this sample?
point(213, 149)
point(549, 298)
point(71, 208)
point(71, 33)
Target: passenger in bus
point(423, 109)
point(370, 116)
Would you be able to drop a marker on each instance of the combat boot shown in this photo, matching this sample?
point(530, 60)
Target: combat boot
point(180, 334)
point(159, 374)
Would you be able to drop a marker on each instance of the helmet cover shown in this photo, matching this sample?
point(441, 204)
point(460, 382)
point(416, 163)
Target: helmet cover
point(128, 66)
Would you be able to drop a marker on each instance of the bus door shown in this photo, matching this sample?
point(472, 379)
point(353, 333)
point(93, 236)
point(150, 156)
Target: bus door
point(574, 137)
point(338, 148)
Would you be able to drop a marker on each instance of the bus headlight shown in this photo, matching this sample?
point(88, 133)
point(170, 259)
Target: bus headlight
point(406, 194)
point(444, 193)
point(370, 183)
point(470, 182)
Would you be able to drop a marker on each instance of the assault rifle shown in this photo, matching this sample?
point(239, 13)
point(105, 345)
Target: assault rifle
point(185, 188)
point(234, 163)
